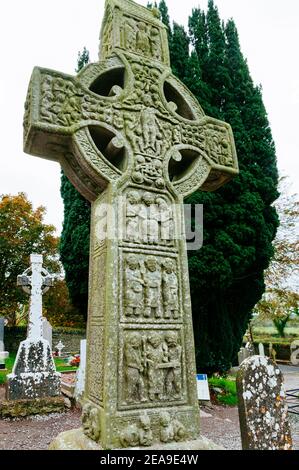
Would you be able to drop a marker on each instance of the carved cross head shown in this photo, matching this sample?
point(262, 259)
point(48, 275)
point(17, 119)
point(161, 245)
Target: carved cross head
point(127, 118)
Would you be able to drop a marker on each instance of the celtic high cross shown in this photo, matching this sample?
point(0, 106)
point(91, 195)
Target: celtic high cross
point(125, 126)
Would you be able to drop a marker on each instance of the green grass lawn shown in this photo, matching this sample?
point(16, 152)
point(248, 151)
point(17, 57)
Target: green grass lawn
point(61, 366)
point(228, 395)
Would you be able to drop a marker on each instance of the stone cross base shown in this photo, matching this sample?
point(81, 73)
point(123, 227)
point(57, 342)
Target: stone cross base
point(77, 440)
point(34, 374)
point(22, 408)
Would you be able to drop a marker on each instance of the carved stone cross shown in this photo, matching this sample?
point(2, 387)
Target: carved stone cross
point(125, 126)
point(35, 281)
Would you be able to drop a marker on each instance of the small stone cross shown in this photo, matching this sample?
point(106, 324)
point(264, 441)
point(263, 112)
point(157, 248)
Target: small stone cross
point(35, 281)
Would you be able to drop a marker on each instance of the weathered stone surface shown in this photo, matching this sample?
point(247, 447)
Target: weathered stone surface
point(77, 440)
point(22, 408)
point(134, 141)
point(262, 405)
point(34, 374)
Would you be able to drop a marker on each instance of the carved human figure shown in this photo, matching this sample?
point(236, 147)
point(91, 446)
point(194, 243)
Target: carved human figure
point(152, 288)
point(165, 219)
point(149, 219)
point(132, 216)
point(145, 432)
point(170, 289)
point(138, 434)
point(91, 421)
point(134, 367)
point(149, 127)
point(171, 429)
point(130, 35)
point(142, 39)
point(155, 358)
point(155, 44)
point(133, 295)
point(173, 379)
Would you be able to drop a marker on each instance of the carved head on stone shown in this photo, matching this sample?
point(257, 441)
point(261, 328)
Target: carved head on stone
point(171, 338)
point(132, 262)
point(169, 266)
point(133, 197)
point(145, 421)
point(151, 264)
point(155, 340)
point(135, 340)
point(148, 198)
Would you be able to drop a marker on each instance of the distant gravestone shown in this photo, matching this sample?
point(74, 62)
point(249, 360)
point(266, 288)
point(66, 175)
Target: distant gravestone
point(80, 376)
point(34, 374)
point(262, 406)
point(261, 349)
point(242, 355)
point(3, 354)
point(60, 346)
point(47, 331)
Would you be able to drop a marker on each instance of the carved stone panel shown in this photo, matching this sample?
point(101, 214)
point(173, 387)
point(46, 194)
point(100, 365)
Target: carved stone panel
point(150, 288)
point(151, 368)
point(95, 355)
point(149, 218)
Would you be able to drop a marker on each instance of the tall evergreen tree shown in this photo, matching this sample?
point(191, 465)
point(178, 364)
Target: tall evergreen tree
point(239, 222)
point(74, 242)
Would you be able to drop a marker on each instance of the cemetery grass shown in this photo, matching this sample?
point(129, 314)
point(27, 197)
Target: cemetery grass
point(60, 363)
point(228, 394)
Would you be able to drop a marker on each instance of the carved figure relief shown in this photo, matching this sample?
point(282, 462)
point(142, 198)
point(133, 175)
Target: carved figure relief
point(151, 288)
point(218, 143)
point(152, 367)
point(141, 38)
point(171, 429)
point(149, 219)
point(170, 290)
point(134, 360)
point(138, 434)
point(91, 421)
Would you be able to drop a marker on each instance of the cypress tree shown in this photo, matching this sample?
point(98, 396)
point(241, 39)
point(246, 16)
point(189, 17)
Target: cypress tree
point(74, 242)
point(227, 274)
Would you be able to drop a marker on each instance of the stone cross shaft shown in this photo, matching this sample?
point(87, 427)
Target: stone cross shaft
point(125, 126)
point(35, 281)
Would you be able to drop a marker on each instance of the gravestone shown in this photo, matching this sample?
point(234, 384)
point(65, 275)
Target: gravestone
point(134, 141)
point(243, 354)
point(262, 405)
point(60, 346)
point(3, 354)
point(34, 374)
point(261, 349)
point(80, 375)
point(47, 331)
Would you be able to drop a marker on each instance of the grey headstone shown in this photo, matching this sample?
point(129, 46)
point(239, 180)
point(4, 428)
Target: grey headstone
point(261, 349)
point(47, 331)
point(262, 405)
point(80, 376)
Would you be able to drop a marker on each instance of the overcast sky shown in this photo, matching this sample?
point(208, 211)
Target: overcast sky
point(49, 33)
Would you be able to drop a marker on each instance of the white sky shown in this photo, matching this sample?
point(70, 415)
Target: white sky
point(49, 33)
